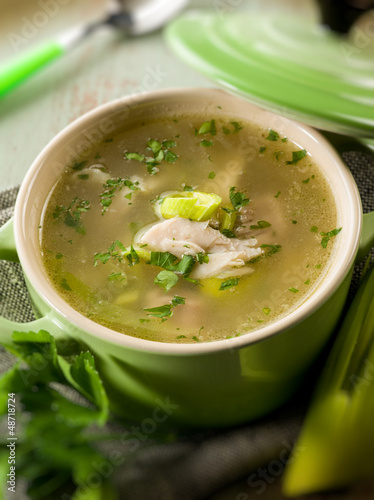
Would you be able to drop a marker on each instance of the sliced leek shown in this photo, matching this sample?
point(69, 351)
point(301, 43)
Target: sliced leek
point(193, 205)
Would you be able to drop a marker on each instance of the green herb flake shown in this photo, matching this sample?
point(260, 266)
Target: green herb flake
point(79, 165)
point(307, 282)
point(226, 131)
point(228, 233)
point(71, 215)
point(297, 156)
point(65, 285)
point(285, 139)
point(273, 136)
point(111, 187)
point(262, 149)
point(225, 285)
point(153, 145)
point(328, 235)
point(294, 221)
point(181, 337)
point(270, 249)
point(277, 195)
point(134, 156)
point(293, 290)
point(313, 229)
point(208, 127)
point(238, 199)
point(202, 258)
point(59, 255)
point(278, 154)
point(261, 224)
point(188, 188)
point(305, 181)
point(195, 338)
point(206, 144)
point(166, 279)
point(83, 177)
point(116, 277)
point(237, 126)
point(211, 175)
point(266, 311)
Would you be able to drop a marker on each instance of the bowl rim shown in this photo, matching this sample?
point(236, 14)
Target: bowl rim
point(49, 295)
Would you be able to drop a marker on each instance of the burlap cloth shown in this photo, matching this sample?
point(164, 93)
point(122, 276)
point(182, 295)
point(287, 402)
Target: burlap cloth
point(197, 466)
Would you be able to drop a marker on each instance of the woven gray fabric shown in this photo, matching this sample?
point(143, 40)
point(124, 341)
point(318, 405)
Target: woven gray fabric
point(194, 467)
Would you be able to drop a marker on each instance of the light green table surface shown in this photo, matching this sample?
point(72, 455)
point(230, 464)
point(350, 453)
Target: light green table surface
point(106, 66)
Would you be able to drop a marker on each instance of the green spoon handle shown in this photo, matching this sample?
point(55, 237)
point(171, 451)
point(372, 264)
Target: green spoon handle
point(28, 63)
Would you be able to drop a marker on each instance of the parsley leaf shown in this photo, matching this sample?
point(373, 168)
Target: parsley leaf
point(261, 224)
point(297, 156)
point(237, 198)
point(273, 136)
point(111, 187)
point(166, 279)
point(328, 235)
point(225, 285)
point(208, 127)
point(202, 258)
point(72, 214)
point(165, 311)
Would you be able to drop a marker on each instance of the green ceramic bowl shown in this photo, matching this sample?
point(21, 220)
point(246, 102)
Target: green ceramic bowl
point(210, 384)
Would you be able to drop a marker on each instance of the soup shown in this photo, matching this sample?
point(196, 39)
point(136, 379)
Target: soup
point(189, 229)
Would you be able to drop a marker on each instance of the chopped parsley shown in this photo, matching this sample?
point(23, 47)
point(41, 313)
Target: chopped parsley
point(328, 235)
point(206, 144)
point(72, 214)
point(297, 156)
point(160, 150)
point(262, 149)
point(238, 199)
point(236, 126)
point(202, 258)
point(65, 285)
point(225, 285)
point(228, 233)
point(111, 253)
point(270, 249)
point(208, 127)
point(294, 221)
point(266, 311)
point(165, 311)
point(79, 165)
point(273, 136)
point(111, 187)
point(116, 277)
point(305, 181)
point(261, 224)
point(293, 290)
point(211, 175)
point(166, 279)
point(277, 195)
point(313, 229)
point(188, 188)
point(167, 261)
point(278, 154)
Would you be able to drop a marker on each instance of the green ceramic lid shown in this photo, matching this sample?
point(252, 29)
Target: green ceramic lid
point(285, 64)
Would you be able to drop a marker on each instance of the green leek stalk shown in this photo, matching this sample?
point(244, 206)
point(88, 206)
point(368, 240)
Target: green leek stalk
point(336, 444)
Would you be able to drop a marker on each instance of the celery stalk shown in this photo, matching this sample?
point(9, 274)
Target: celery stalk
point(336, 443)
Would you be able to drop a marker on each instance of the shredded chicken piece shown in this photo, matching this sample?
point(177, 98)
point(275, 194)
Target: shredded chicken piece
point(181, 236)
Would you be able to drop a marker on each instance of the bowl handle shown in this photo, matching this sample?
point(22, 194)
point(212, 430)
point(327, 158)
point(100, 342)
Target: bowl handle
point(8, 252)
point(367, 237)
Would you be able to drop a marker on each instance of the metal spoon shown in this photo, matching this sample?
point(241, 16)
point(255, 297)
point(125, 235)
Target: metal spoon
point(149, 16)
